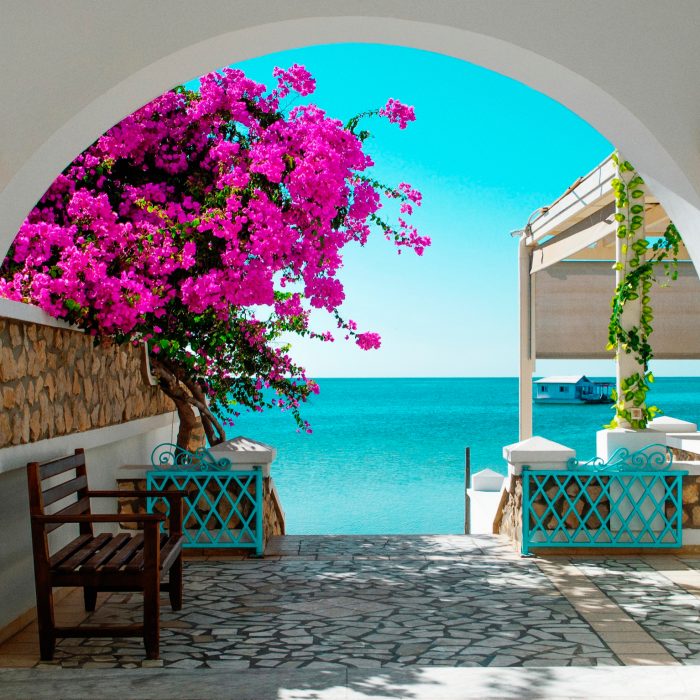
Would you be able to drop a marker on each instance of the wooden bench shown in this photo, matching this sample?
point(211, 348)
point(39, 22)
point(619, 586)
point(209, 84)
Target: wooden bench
point(103, 562)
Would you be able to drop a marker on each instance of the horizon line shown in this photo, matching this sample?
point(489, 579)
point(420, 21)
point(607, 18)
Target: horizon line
point(501, 376)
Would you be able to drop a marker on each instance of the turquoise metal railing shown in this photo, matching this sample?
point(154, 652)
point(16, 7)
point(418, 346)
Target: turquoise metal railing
point(632, 500)
point(223, 508)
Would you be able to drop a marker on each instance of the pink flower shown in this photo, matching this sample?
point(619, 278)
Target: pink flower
point(368, 341)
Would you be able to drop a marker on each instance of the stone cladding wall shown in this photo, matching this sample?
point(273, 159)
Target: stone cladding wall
point(691, 491)
point(54, 382)
point(273, 516)
point(509, 516)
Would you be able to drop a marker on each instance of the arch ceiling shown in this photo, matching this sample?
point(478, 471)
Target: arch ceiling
point(73, 69)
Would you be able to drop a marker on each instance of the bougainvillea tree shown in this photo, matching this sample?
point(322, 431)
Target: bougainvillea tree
point(208, 225)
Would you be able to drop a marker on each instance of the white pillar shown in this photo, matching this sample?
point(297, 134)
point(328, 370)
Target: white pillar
point(537, 452)
point(626, 363)
point(527, 345)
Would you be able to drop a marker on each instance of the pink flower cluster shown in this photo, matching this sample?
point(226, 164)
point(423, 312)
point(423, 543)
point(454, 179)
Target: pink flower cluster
point(398, 113)
point(368, 341)
point(206, 205)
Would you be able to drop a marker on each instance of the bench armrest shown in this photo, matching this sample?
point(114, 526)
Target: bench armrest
point(140, 492)
point(101, 518)
point(174, 498)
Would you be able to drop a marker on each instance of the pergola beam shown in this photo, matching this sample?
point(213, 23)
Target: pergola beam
point(574, 204)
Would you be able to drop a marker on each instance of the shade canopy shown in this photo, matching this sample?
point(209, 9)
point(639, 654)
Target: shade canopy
point(572, 310)
point(566, 257)
point(572, 251)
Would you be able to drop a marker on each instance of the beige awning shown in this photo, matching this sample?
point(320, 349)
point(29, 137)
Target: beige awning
point(572, 310)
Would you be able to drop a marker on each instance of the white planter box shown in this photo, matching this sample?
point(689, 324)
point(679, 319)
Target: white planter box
point(487, 480)
point(244, 453)
point(538, 453)
point(608, 441)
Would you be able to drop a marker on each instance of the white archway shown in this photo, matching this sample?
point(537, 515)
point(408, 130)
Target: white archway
point(191, 46)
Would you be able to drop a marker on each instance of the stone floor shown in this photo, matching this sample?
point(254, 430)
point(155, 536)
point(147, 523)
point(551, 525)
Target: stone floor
point(391, 603)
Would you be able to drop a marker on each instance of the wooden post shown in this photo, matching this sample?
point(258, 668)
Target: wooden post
point(151, 588)
point(527, 345)
point(467, 484)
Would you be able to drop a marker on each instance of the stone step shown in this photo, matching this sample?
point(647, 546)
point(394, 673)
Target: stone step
point(417, 683)
point(386, 546)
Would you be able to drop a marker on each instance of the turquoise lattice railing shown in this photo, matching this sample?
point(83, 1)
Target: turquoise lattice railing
point(223, 508)
point(632, 500)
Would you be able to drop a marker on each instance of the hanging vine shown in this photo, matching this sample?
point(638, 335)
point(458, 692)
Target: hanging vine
point(640, 260)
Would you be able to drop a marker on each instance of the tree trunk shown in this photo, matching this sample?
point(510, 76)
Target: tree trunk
point(188, 423)
point(187, 394)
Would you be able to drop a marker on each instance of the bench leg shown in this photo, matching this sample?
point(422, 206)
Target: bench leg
point(151, 589)
point(90, 596)
point(151, 619)
point(46, 623)
point(175, 587)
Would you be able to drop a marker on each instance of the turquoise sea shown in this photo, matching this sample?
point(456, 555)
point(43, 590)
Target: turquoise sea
point(387, 455)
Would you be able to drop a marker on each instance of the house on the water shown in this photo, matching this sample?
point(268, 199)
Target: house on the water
point(577, 389)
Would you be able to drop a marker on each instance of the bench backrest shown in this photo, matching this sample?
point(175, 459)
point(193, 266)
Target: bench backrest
point(42, 494)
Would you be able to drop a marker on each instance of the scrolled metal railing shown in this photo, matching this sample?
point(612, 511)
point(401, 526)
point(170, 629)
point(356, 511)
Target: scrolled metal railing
point(652, 457)
point(169, 456)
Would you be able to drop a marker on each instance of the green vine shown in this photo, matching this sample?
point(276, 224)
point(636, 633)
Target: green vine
point(640, 259)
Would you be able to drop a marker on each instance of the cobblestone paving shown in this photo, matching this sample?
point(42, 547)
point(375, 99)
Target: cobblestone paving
point(359, 602)
point(666, 611)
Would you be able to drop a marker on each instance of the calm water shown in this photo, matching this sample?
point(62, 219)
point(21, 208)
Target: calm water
point(387, 455)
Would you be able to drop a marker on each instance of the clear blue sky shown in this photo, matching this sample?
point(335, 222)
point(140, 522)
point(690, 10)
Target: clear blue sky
point(485, 151)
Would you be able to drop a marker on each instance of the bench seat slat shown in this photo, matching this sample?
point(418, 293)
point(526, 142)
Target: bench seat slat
point(136, 564)
point(106, 552)
point(125, 554)
point(170, 552)
point(65, 489)
point(68, 550)
point(85, 552)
